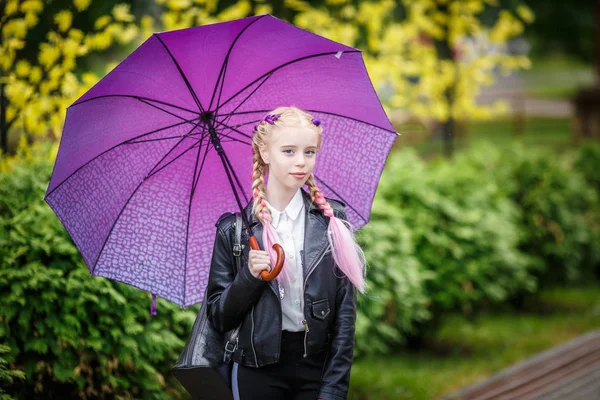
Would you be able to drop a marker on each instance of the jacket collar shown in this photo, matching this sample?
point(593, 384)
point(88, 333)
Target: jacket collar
point(315, 228)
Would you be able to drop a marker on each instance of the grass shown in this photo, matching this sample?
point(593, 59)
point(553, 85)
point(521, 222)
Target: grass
point(465, 352)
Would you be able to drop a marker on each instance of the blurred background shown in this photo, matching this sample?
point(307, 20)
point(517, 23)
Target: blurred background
point(484, 239)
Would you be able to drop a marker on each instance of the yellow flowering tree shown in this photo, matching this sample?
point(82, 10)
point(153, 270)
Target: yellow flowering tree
point(34, 95)
point(432, 56)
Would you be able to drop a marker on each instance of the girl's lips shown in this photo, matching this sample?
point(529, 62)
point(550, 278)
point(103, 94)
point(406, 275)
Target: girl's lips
point(299, 176)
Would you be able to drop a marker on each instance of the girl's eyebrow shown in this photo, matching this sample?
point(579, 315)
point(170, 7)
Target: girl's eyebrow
point(294, 146)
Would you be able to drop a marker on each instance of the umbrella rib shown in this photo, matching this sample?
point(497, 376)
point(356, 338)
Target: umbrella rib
point(232, 129)
point(156, 140)
point(247, 112)
point(221, 81)
point(340, 197)
point(187, 229)
point(128, 141)
point(129, 199)
point(187, 83)
point(247, 97)
point(208, 144)
point(152, 173)
point(354, 119)
point(162, 109)
point(281, 66)
point(133, 97)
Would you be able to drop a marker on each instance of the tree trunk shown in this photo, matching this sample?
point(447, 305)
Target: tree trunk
point(447, 128)
point(3, 127)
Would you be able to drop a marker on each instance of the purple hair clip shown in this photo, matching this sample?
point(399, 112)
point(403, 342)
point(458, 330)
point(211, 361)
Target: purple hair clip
point(316, 121)
point(271, 118)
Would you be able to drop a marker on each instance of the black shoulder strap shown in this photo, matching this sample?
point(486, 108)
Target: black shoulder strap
point(237, 252)
point(237, 244)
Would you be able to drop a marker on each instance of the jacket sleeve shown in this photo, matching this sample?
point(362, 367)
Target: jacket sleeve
point(336, 376)
point(229, 295)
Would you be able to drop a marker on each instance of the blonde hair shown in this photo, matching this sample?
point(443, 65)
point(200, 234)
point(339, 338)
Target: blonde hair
point(340, 235)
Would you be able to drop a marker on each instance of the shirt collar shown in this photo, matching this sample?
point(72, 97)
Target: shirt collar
point(292, 210)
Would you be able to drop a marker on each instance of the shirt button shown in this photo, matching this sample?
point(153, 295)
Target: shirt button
point(297, 302)
point(292, 256)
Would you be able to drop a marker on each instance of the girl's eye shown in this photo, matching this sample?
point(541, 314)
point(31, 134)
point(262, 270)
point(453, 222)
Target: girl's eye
point(290, 151)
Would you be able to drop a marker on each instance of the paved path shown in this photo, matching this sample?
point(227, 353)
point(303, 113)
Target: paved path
point(570, 371)
point(512, 90)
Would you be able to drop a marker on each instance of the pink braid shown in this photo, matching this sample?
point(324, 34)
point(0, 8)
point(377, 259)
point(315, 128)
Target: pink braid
point(269, 238)
point(347, 254)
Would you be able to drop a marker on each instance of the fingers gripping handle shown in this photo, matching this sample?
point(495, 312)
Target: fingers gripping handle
point(269, 276)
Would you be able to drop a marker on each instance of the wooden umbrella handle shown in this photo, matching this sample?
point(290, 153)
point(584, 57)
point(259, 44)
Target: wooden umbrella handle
point(270, 275)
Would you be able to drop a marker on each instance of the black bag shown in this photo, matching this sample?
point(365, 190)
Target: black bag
point(204, 367)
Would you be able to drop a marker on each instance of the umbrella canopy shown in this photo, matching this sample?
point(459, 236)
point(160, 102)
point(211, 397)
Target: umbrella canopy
point(138, 182)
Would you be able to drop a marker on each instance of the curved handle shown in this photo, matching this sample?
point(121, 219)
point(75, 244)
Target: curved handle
point(269, 276)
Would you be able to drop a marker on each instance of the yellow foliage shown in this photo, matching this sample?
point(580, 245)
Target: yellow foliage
point(263, 9)
point(102, 21)
point(240, 9)
point(35, 75)
point(70, 85)
point(35, 6)
point(12, 7)
point(16, 28)
point(525, 13)
point(31, 19)
point(22, 68)
point(121, 13)
point(297, 5)
point(179, 4)
point(82, 5)
point(48, 55)
point(63, 19)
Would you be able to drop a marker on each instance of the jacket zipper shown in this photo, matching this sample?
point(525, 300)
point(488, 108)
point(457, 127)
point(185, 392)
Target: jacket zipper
point(304, 322)
point(252, 337)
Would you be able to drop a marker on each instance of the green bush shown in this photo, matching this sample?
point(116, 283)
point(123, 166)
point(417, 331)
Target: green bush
point(442, 238)
point(396, 299)
point(7, 375)
point(559, 209)
point(588, 163)
point(75, 335)
point(465, 231)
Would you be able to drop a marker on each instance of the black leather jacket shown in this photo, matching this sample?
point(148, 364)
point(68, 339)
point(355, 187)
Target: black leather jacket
point(329, 300)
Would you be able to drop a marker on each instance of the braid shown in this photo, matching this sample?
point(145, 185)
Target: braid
point(258, 188)
point(317, 196)
point(347, 254)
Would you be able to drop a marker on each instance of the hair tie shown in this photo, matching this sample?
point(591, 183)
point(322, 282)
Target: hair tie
point(316, 121)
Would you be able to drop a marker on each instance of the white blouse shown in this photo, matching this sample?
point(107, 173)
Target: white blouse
point(289, 225)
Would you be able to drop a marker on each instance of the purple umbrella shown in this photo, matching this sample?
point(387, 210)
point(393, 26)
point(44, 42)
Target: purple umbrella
point(149, 155)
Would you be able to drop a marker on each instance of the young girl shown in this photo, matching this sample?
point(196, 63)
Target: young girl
point(296, 337)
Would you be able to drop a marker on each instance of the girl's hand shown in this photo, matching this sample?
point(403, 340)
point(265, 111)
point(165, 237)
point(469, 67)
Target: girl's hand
point(258, 260)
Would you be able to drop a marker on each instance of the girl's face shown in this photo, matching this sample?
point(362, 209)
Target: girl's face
point(291, 156)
